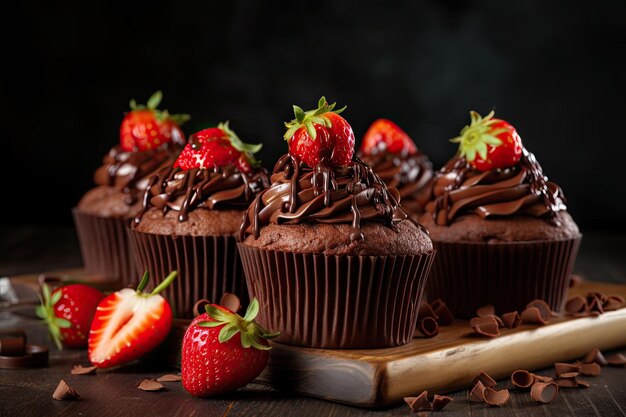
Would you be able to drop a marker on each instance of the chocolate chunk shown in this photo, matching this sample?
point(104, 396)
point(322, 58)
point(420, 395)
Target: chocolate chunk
point(486, 380)
point(419, 403)
point(576, 305)
point(595, 356)
point(590, 369)
point(497, 398)
point(12, 346)
point(544, 392)
point(512, 319)
point(439, 402)
point(426, 310)
point(616, 360)
point(198, 307)
point(64, 392)
point(485, 311)
point(532, 315)
point(231, 302)
point(562, 368)
point(543, 307)
point(522, 379)
point(83, 370)
point(477, 394)
point(428, 327)
point(543, 378)
point(150, 385)
point(485, 326)
point(441, 309)
point(575, 281)
point(169, 378)
point(614, 302)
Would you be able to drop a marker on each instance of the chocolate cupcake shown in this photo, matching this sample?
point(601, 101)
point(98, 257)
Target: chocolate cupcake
point(501, 229)
point(150, 140)
point(327, 250)
point(191, 214)
point(392, 154)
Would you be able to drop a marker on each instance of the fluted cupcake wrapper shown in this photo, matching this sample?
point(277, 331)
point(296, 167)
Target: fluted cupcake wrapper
point(104, 247)
point(336, 301)
point(508, 275)
point(208, 266)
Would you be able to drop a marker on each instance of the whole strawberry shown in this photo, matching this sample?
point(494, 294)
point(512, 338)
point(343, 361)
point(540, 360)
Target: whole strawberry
point(146, 127)
point(129, 324)
point(320, 136)
point(217, 147)
point(68, 312)
point(386, 136)
point(223, 351)
point(489, 143)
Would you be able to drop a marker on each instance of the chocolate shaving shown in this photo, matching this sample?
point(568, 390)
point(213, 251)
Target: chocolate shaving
point(569, 375)
point(590, 369)
point(169, 378)
point(544, 392)
point(582, 383)
point(522, 379)
point(485, 326)
point(64, 392)
point(485, 311)
point(614, 302)
point(439, 402)
point(575, 280)
point(563, 368)
point(497, 398)
point(83, 370)
point(441, 309)
point(231, 302)
point(428, 327)
point(512, 319)
point(532, 315)
point(426, 310)
point(595, 356)
point(486, 380)
point(477, 394)
point(543, 378)
point(576, 305)
point(616, 360)
point(150, 385)
point(543, 307)
point(567, 382)
point(198, 307)
point(419, 403)
point(595, 305)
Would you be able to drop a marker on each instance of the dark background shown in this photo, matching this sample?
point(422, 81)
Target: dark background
point(553, 69)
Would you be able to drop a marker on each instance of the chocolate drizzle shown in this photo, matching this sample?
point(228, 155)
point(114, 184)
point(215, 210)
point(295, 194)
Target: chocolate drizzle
point(325, 194)
point(217, 188)
point(521, 189)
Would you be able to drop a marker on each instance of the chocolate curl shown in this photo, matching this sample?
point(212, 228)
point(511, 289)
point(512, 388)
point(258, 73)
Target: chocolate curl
point(64, 392)
point(595, 305)
point(441, 309)
point(576, 305)
point(595, 356)
point(231, 302)
point(569, 375)
point(150, 385)
point(590, 369)
point(426, 310)
point(485, 311)
point(497, 398)
point(563, 368)
point(439, 402)
point(575, 281)
point(544, 392)
point(582, 383)
point(477, 394)
point(616, 360)
point(485, 326)
point(543, 378)
point(532, 315)
point(170, 378)
point(83, 370)
point(419, 403)
point(614, 302)
point(522, 379)
point(512, 319)
point(543, 307)
point(485, 379)
point(428, 327)
point(198, 307)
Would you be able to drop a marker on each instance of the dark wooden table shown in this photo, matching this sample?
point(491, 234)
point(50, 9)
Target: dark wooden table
point(112, 393)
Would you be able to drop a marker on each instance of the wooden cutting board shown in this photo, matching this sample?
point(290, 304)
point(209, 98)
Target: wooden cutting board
point(449, 361)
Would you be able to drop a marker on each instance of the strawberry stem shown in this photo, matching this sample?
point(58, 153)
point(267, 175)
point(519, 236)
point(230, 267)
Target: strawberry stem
point(143, 282)
point(166, 282)
point(46, 312)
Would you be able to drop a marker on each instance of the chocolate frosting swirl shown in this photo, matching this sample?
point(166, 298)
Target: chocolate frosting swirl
point(217, 188)
point(129, 172)
point(344, 194)
point(522, 189)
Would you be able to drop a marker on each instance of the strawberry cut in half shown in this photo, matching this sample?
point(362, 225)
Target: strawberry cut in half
point(489, 143)
point(129, 323)
point(223, 351)
point(386, 136)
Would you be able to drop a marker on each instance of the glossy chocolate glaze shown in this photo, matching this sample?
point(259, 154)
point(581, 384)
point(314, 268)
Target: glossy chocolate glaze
point(522, 189)
point(345, 194)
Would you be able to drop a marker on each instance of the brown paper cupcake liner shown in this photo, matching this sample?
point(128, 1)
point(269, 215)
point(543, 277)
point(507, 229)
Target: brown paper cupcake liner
point(508, 275)
point(208, 266)
point(336, 301)
point(104, 247)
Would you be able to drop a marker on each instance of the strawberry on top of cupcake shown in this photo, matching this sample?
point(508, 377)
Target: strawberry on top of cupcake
point(392, 154)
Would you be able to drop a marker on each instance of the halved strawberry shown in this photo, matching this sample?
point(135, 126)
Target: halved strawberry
point(129, 324)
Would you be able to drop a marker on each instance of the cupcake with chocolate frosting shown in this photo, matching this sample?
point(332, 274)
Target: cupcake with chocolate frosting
point(332, 257)
point(191, 214)
point(392, 154)
point(501, 229)
point(150, 140)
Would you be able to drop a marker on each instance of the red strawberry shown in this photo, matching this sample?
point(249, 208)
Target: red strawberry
point(68, 312)
point(320, 135)
point(146, 127)
point(217, 147)
point(129, 324)
point(489, 143)
point(385, 136)
point(223, 351)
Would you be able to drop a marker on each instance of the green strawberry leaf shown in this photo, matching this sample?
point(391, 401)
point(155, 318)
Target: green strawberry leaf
point(62, 323)
point(252, 311)
point(228, 332)
point(155, 100)
point(40, 311)
point(210, 323)
point(55, 298)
